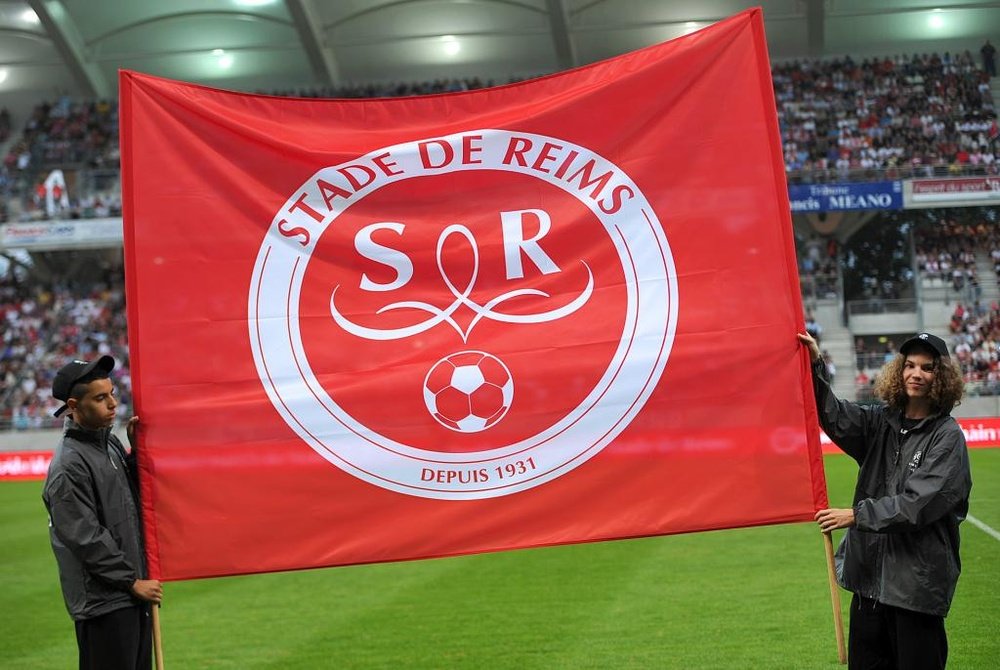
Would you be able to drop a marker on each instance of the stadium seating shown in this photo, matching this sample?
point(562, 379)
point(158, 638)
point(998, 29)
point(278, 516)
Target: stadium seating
point(43, 326)
point(885, 118)
point(841, 120)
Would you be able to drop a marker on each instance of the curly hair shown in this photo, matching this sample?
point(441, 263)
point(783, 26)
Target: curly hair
point(946, 389)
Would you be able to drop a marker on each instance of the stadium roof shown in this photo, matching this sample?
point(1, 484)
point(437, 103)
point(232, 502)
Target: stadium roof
point(48, 47)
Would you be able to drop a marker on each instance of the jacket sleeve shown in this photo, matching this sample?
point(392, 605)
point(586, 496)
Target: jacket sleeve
point(938, 485)
point(846, 423)
point(75, 522)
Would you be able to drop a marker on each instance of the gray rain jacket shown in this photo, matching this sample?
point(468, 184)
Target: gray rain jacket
point(94, 522)
point(912, 493)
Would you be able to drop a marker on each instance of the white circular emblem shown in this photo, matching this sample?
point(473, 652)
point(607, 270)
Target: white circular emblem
point(361, 450)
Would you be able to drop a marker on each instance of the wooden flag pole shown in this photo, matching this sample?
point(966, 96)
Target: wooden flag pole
point(157, 639)
point(838, 619)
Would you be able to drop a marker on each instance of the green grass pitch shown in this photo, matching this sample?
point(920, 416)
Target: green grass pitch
point(748, 598)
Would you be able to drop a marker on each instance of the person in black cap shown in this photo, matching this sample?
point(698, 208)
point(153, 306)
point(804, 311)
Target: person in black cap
point(899, 555)
point(91, 494)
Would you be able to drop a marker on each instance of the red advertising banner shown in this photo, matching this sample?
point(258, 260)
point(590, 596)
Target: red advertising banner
point(24, 465)
point(558, 311)
point(938, 192)
point(980, 433)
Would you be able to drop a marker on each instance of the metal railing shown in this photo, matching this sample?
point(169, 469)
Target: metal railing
point(982, 388)
point(819, 286)
point(872, 361)
point(944, 288)
point(936, 170)
point(880, 306)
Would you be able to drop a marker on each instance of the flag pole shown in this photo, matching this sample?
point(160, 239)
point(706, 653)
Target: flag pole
point(838, 619)
point(157, 638)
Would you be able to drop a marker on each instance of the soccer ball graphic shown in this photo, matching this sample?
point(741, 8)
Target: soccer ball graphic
point(468, 391)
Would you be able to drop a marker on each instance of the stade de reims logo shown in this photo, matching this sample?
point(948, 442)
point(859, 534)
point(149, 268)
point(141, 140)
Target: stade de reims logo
point(466, 316)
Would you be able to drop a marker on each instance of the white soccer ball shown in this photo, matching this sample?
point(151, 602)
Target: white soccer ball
point(468, 391)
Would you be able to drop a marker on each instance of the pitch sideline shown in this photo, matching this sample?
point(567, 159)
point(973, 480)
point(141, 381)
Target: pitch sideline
point(983, 527)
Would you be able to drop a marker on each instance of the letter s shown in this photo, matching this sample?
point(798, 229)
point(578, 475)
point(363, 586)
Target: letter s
point(393, 258)
point(293, 232)
point(617, 200)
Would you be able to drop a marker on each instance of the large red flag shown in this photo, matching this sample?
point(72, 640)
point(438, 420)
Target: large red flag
point(557, 311)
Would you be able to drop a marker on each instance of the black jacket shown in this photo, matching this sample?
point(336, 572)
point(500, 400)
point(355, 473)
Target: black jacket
point(91, 496)
point(912, 493)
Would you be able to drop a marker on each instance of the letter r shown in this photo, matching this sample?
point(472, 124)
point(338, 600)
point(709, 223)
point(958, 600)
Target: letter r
point(514, 242)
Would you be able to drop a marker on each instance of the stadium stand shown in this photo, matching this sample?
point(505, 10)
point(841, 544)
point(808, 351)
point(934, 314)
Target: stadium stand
point(45, 324)
point(80, 138)
point(956, 251)
point(841, 120)
point(388, 90)
point(976, 336)
point(920, 115)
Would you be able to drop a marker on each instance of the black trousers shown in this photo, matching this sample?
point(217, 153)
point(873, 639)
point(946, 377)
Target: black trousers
point(118, 640)
point(883, 637)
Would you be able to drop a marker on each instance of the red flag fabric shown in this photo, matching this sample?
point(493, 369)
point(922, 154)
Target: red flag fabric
point(558, 311)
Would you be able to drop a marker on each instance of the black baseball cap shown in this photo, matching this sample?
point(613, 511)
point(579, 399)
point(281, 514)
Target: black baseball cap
point(927, 340)
point(74, 371)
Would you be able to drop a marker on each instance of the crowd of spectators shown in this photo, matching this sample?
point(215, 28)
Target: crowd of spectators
point(68, 132)
point(871, 357)
point(975, 328)
point(975, 341)
point(840, 120)
point(947, 244)
point(80, 137)
point(68, 135)
point(817, 259)
point(946, 253)
point(975, 344)
point(42, 328)
point(388, 90)
point(906, 116)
